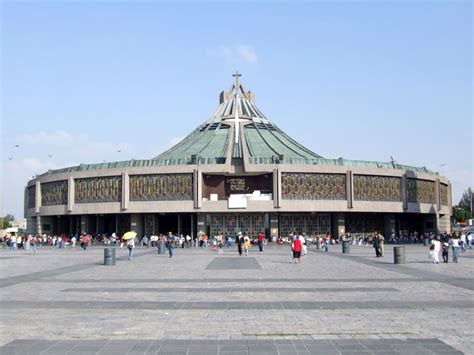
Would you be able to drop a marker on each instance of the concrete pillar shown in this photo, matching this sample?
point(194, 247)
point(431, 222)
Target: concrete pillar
point(39, 227)
point(38, 197)
point(349, 188)
point(404, 192)
point(276, 195)
point(70, 194)
point(389, 225)
point(192, 227)
point(197, 188)
point(338, 225)
point(125, 191)
point(437, 195)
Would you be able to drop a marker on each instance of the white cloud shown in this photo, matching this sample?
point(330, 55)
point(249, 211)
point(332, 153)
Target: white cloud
point(247, 54)
point(237, 54)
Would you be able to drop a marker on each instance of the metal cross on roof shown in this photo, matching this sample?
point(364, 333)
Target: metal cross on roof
point(236, 75)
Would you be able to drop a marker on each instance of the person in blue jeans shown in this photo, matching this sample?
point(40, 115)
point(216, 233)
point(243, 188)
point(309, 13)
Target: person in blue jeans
point(130, 246)
point(169, 245)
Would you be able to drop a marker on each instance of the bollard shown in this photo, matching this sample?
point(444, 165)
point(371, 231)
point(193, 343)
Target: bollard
point(346, 247)
point(399, 255)
point(109, 256)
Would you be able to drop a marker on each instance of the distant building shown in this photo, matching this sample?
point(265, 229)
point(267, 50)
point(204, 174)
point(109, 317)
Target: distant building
point(239, 172)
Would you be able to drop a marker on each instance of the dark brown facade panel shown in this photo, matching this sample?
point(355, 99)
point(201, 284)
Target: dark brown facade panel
point(161, 187)
point(98, 189)
point(421, 191)
point(377, 188)
point(54, 193)
point(309, 186)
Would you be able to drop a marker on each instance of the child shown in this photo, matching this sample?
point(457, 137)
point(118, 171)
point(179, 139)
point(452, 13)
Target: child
point(445, 249)
point(431, 254)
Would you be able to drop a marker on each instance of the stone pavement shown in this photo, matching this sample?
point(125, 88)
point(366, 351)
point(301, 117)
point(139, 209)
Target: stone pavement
point(66, 301)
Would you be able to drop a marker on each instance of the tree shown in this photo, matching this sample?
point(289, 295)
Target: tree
point(6, 221)
point(466, 200)
point(463, 210)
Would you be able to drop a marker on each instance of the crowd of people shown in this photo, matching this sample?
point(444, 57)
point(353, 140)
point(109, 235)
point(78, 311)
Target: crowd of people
point(299, 242)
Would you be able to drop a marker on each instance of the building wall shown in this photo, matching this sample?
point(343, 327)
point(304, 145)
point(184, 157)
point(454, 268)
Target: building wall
point(377, 195)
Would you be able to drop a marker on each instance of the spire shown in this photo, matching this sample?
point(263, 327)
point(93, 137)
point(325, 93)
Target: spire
point(236, 75)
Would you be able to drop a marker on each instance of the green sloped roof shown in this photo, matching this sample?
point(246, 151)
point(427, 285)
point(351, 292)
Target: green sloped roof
point(214, 140)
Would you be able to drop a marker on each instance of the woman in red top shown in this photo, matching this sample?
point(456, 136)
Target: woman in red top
point(297, 250)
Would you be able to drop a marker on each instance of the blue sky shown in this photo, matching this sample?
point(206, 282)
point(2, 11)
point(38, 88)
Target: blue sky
point(360, 79)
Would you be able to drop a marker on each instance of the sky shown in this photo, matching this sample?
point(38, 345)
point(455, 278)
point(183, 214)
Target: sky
point(88, 82)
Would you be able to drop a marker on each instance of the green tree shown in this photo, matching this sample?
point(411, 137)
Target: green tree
point(466, 200)
point(6, 221)
point(463, 210)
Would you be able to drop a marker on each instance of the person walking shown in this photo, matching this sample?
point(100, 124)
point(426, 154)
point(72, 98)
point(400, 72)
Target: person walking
point(240, 241)
point(381, 244)
point(376, 243)
point(327, 240)
point(169, 245)
point(246, 245)
point(296, 247)
point(261, 240)
point(455, 244)
point(130, 246)
point(469, 241)
point(445, 254)
point(84, 242)
point(436, 249)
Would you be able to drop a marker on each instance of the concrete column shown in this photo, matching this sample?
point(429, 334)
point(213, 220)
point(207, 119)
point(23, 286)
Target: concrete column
point(279, 188)
point(276, 187)
point(84, 224)
point(437, 195)
point(389, 225)
point(180, 220)
point(349, 188)
point(404, 191)
point(192, 227)
point(70, 194)
point(338, 225)
point(38, 197)
point(39, 227)
point(125, 190)
point(197, 188)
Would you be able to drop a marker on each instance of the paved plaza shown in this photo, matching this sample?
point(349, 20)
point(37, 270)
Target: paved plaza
point(60, 301)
